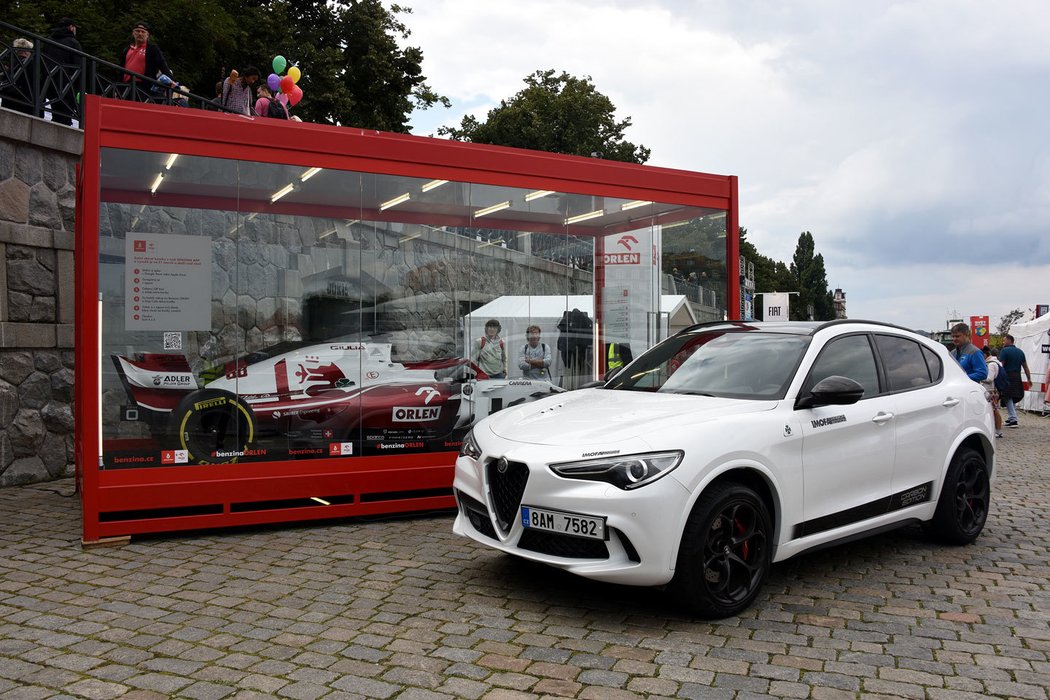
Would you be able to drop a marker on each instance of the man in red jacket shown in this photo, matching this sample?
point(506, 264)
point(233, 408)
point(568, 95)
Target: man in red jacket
point(143, 58)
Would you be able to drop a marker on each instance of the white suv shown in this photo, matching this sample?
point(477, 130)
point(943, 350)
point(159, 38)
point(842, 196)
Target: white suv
point(730, 446)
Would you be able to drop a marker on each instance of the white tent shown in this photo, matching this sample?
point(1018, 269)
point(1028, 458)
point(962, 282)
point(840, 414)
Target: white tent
point(1033, 338)
point(516, 313)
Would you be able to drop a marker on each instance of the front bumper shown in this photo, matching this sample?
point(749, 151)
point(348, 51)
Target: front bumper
point(643, 526)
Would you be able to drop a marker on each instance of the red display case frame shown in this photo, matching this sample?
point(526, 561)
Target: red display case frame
point(168, 499)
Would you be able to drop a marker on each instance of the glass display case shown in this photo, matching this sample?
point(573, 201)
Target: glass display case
point(274, 333)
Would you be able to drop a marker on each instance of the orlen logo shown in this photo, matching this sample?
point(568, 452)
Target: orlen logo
point(622, 258)
point(415, 414)
point(340, 449)
point(626, 240)
point(174, 456)
point(140, 246)
point(430, 391)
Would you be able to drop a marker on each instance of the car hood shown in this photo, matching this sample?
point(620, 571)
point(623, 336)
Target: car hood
point(588, 416)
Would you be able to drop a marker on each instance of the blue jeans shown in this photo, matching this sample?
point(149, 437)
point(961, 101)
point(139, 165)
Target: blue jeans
point(1011, 410)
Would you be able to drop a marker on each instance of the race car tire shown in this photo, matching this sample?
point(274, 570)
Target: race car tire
point(213, 426)
point(726, 552)
point(962, 508)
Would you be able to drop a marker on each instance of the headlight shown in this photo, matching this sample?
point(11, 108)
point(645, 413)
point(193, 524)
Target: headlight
point(622, 471)
point(469, 448)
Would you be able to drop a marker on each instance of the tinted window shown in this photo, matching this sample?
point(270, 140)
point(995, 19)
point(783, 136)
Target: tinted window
point(851, 357)
point(933, 363)
point(735, 364)
point(903, 362)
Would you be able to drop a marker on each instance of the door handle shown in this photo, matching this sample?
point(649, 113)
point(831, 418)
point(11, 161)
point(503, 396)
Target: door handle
point(950, 401)
point(881, 418)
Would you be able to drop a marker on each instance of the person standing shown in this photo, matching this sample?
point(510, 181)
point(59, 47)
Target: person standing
point(142, 57)
point(1013, 360)
point(990, 392)
point(62, 61)
point(489, 352)
point(967, 354)
point(17, 92)
point(535, 358)
point(237, 93)
point(269, 106)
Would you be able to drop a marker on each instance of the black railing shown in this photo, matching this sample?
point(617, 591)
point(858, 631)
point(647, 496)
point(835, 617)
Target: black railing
point(36, 83)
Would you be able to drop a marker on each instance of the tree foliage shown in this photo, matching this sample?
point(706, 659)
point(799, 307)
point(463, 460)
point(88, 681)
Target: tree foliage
point(355, 72)
point(558, 114)
point(807, 267)
point(1008, 320)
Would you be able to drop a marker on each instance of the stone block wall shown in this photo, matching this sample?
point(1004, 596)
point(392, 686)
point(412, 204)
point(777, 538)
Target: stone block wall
point(37, 202)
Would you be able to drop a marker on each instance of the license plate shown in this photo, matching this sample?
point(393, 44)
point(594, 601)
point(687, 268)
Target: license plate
point(572, 524)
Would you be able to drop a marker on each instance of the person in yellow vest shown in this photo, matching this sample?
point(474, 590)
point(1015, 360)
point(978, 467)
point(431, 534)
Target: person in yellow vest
point(616, 356)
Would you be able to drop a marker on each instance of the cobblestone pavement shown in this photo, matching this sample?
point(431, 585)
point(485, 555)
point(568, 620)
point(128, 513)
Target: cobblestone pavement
point(401, 608)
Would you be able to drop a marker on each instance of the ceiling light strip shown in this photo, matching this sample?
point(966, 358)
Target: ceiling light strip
point(309, 174)
point(634, 205)
point(156, 183)
point(281, 192)
point(494, 208)
point(583, 217)
point(538, 194)
point(433, 184)
point(171, 161)
point(395, 201)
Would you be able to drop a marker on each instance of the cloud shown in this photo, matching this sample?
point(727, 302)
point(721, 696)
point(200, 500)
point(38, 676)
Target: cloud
point(906, 136)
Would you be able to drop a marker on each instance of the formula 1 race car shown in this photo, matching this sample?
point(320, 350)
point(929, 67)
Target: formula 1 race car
point(329, 395)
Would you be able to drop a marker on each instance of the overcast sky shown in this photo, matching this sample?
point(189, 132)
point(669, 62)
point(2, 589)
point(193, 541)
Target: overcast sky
point(911, 138)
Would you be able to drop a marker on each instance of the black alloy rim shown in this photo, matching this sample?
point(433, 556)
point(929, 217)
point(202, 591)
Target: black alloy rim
point(971, 497)
point(734, 553)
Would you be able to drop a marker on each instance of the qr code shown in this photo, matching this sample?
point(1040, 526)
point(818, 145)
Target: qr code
point(173, 341)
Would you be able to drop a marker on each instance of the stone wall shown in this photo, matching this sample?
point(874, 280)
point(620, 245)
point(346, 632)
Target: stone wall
point(37, 201)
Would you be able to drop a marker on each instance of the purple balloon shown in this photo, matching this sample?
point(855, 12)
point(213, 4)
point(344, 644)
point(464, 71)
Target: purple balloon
point(274, 82)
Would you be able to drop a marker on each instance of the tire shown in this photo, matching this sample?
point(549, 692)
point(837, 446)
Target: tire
point(962, 508)
point(719, 572)
point(214, 426)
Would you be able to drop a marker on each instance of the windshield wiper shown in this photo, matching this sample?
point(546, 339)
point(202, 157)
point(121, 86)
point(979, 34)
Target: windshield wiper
point(690, 392)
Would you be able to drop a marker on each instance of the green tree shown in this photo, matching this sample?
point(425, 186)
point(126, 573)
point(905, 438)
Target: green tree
point(355, 72)
point(1008, 320)
point(807, 267)
point(558, 114)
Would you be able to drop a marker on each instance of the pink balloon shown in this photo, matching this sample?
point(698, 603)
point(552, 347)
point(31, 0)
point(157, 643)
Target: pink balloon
point(282, 98)
point(297, 94)
point(287, 84)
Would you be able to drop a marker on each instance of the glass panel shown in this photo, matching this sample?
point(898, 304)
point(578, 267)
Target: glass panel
point(851, 357)
point(259, 311)
point(903, 361)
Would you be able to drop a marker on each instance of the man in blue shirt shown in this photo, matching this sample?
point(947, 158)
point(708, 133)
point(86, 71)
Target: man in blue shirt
point(967, 355)
point(1014, 361)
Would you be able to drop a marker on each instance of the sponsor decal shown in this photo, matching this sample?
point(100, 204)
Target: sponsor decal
point(210, 403)
point(174, 457)
point(222, 454)
point(347, 346)
point(430, 392)
point(787, 431)
point(140, 246)
point(830, 420)
point(372, 375)
point(136, 459)
point(340, 449)
point(175, 380)
point(415, 414)
point(600, 453)
point(305, 451)
point(519, 382)
point(399, 445)
point(622, 258)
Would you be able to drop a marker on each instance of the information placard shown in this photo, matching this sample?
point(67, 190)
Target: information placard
point(167, 282)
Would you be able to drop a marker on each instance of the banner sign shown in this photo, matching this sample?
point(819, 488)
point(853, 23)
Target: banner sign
point(775, 306)
point(979, 330)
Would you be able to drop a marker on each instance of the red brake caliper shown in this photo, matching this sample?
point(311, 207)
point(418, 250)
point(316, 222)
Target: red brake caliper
point(741, 530)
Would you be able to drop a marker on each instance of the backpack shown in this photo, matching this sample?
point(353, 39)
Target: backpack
point(1002, 382)
point(275, 110)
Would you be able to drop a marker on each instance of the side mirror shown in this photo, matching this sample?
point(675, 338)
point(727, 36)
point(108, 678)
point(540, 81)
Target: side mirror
point(831, 391)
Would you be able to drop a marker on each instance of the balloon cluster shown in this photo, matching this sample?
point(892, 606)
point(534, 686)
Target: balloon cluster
point(289, 92)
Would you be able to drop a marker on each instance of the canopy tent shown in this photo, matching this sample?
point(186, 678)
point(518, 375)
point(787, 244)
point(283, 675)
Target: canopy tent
point(517, 313)
point(1033, 337)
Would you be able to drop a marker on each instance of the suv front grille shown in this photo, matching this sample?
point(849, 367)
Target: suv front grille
point(506, 489)
point(562, 545)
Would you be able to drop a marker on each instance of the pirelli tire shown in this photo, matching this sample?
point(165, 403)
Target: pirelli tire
point(214, 426)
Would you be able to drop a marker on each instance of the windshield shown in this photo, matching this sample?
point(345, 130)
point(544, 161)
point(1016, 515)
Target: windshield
point(731, 364)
